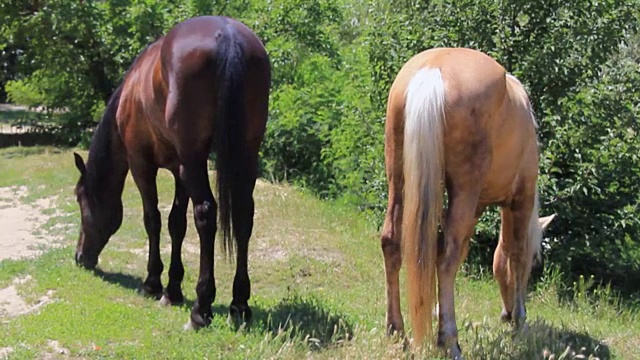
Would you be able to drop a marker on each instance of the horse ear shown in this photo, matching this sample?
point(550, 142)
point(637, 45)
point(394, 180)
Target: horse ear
point(79, 163)
point(545, 221)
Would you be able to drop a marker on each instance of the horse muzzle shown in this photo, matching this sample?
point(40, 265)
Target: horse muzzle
point(84, 261)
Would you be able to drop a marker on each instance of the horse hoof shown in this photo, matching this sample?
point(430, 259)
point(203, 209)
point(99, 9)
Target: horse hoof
point(450, 346)
point(150, 292)
point(395, 331)
point(505, 316)
point(166, 300)
point(239, 314)
point(151, 289)
point(455, 353)
point(197, 321)
point(190, 326)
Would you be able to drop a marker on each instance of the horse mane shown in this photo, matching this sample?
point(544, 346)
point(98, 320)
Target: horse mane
point(100, 162)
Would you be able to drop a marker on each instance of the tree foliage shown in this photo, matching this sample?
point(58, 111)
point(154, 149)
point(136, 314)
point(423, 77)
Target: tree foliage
point(333, 63)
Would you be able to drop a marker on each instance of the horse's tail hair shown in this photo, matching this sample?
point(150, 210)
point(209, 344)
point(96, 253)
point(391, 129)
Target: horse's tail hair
point(535, 232)
point(230, 129)
point(423, 193)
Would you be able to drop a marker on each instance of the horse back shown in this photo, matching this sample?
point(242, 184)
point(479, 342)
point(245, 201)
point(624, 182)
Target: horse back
point(489, 125)
point(190, 55)
point(169, 95)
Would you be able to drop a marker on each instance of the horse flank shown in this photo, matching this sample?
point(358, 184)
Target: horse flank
point(423, 192)
point(534, 230)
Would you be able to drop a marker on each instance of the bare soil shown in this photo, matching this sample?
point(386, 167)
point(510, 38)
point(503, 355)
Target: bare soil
point(18, 226)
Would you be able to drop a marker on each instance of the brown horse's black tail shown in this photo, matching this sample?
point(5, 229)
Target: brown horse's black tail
point(230, 129)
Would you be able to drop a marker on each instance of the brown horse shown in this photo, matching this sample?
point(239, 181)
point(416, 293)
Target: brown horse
point(202, 87)
point(457, 121)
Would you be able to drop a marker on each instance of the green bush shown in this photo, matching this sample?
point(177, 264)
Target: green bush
point(25, 91)
point(590, 178)
point(333, 63)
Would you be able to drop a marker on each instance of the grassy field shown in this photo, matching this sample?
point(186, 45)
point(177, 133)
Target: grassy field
point(317, 289)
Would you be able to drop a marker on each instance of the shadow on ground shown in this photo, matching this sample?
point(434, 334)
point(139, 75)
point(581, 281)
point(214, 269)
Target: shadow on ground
point(127, 281)
point(293, 317)
point(539, 341)
point(302, 317)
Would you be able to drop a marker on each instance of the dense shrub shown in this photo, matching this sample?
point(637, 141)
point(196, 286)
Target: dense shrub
point(333, 63)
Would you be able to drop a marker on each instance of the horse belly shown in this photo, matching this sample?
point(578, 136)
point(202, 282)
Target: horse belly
point(505, 168)
point(166, 156)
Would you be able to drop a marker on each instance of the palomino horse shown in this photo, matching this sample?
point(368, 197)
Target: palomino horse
point(204, 86)
point(456, 120)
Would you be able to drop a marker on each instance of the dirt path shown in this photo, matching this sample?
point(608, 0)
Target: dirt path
point(18, 224)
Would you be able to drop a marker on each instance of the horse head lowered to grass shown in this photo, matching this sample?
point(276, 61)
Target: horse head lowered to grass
point(456, 121)
point(203, 87)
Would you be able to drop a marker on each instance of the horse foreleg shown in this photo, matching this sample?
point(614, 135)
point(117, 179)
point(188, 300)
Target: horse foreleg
point(460, 221)
point(177, 229)
point(242, 218)
point(519, 256)
point(500, 270)
point(144, 176)
point(196, 180)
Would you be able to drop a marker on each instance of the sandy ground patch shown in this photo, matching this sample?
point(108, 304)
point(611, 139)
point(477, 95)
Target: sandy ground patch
point(5, 352)
point(19, 222)
point(12, 304)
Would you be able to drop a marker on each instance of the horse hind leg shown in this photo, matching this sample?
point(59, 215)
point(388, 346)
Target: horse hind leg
point(391, 250)
point(460, 221)
point(193, 174)
point(177, 229)
point(144, 176)
point(242, 221)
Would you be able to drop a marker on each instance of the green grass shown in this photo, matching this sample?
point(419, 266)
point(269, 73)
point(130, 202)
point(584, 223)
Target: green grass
point(317, 289)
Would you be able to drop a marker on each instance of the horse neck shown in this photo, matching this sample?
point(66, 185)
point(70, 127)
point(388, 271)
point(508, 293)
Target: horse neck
point(107, 166)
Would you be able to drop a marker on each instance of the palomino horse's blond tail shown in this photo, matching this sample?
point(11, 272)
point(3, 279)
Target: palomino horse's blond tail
point(423, 193)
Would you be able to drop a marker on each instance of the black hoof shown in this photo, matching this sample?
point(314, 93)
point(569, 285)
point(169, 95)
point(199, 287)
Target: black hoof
point(455, 352)
point(393, 331)
point(240, 314)
point(151, 289)
point(197, 321)
point(167, 300)
point(172, 298)
point(85, 262)
point(450, 346)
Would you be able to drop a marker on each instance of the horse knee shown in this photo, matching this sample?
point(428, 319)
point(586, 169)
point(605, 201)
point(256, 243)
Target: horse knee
point(205, 213)
point(388, 244)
